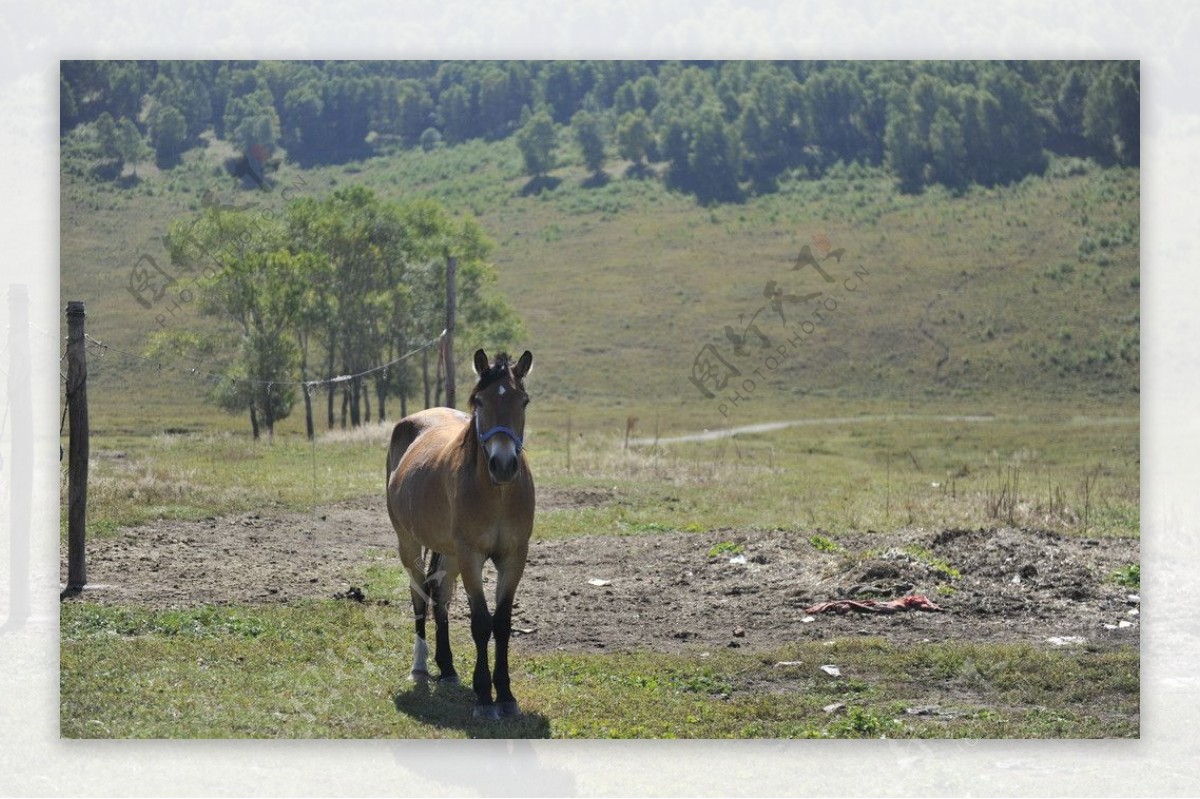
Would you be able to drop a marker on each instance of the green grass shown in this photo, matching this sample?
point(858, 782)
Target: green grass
point(1070, 475)
point(339, 670)
point(1130, 576)
point(725, 548)
point(134, 479)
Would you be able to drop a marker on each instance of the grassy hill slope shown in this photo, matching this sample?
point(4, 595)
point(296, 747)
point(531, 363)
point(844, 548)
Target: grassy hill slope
point(1023, 296)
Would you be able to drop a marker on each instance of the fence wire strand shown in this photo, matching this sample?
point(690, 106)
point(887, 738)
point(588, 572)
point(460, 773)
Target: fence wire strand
point(307, 385)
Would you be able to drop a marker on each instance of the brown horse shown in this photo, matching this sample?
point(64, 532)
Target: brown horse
point(459, 486)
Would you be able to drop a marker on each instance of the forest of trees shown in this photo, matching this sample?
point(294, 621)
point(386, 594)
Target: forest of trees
point(720, 129)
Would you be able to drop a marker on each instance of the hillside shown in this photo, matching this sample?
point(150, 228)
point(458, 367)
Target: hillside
point(1002, 297)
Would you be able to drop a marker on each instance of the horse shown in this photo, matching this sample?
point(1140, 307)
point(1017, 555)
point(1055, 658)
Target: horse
point(459, 486)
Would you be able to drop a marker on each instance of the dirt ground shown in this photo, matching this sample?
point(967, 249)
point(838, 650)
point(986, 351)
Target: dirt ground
point(661, 592)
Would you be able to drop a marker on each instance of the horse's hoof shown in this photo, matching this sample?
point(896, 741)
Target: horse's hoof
point(487, 712)
point(509, 709)
point(419, 676)
point(449, 679)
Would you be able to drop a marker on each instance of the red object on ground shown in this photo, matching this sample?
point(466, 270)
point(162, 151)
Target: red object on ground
point(910, 602)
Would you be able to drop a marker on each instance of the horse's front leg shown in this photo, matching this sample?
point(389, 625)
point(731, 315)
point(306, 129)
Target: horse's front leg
point(508, 576)
point(481, 632)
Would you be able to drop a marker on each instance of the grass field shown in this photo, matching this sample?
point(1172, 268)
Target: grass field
point(329, 670)
point(983, 372)
point(1070, 474)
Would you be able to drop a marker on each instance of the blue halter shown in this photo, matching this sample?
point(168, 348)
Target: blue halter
point(508, 431)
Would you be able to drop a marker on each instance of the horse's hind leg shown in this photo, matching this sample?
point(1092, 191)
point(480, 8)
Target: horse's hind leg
point(413, 560)
point(443, 572)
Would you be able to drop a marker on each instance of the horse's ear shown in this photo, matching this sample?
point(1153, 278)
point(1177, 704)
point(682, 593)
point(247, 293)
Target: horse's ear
point(523, 365)
point(481, 363)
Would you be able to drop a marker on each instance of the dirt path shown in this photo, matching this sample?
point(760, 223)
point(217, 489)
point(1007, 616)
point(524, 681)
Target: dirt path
point(770, 427)
point(662, 592)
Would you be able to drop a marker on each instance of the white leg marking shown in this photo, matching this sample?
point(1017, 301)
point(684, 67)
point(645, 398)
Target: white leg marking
point(420, 656)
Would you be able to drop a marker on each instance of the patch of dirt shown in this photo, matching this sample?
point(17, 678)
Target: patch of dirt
point(661, 592)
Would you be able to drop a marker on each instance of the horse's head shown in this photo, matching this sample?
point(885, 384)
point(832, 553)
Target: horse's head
point(498, 411)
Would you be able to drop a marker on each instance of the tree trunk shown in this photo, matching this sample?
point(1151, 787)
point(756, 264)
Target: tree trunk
point(439, 380)
point(269, 415)
point(381, 387)
point(366, 397)
point(254, 422)
point(355, 411)
point(425, 375)
point(330, 392)
point(345, 404)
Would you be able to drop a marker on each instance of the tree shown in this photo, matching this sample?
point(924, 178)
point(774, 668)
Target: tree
point(590, 137)
point(68, 108)
point(266, 400)
point(647, 92)
point(1011, 125)
point(836, 106)
point(1112, 113)
point(124, 89)
point(185, 86)
point(1068, 110)
point(705, 155)
point(415, 110)
point(564, 89)
point(625, 99)
point(904, 153)
point(536, 140)
point(107, 138)
point(300, 125)
point(168, 133)
point(252, 120)
point(494, 107)
point(454, 111)
point(771, 127)
point(129, 145)
point(674, 147)
point(634, 138)
point(948, 151)
point(249, 280)
point(431, 139)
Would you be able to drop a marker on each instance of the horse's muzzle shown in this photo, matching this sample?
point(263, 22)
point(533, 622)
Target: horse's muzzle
point(503, 467)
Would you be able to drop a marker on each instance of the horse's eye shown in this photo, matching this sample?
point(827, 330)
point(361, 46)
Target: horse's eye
point(524, 402)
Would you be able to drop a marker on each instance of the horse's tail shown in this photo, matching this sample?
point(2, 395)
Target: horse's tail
point(403, 435)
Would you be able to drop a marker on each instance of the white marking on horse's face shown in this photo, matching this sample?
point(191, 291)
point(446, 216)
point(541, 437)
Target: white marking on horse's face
point(502, 391)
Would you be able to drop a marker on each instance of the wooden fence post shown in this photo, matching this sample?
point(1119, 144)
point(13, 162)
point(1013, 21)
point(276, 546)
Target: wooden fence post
point(77, 468)
point(448, 344)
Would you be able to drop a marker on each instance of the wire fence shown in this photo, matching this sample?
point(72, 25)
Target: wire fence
point(162, 365)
